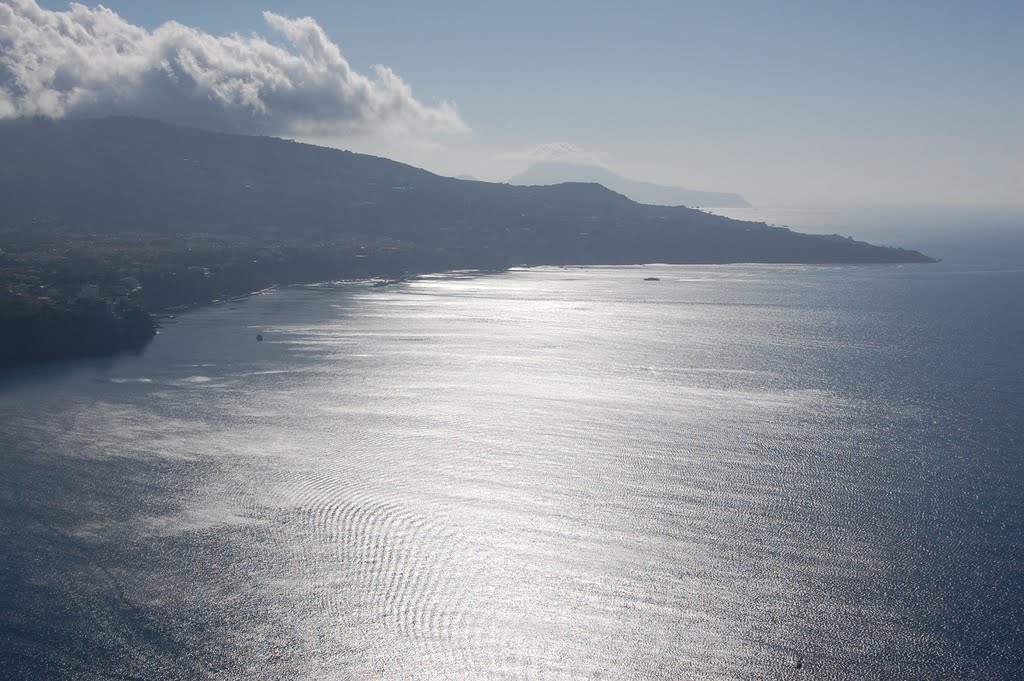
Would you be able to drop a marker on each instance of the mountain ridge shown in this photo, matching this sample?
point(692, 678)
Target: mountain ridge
point(132, 174)
point(555, 172)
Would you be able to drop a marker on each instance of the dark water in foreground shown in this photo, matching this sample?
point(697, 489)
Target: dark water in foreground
point(734, 472)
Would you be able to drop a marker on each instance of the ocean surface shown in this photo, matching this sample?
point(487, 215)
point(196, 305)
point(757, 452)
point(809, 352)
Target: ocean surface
point(750, 472)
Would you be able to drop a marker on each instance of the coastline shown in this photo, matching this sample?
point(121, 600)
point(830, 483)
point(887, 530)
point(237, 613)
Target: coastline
point(36, 332)
point(110, 334)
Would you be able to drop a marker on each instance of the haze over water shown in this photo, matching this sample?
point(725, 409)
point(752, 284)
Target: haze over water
point(735, 471)
point(979, 235)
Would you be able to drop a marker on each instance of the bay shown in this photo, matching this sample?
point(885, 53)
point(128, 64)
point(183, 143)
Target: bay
point(730, 472)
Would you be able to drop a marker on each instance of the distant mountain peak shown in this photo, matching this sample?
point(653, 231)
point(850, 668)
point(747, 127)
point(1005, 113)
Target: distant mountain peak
point(557, 172)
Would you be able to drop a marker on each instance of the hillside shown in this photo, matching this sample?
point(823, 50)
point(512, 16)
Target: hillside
point(641, 192)
point(139, 175)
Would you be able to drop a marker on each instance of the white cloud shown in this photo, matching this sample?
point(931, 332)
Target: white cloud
point(565, 152)
point(91, 62)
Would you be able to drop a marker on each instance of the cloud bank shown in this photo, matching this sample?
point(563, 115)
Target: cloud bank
point(91, 62)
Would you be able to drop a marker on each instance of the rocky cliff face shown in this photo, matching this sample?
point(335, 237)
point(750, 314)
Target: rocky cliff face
point(35, 332)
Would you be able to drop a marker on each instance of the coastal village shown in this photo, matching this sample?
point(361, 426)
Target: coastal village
point(49, 264)
point(65, 293)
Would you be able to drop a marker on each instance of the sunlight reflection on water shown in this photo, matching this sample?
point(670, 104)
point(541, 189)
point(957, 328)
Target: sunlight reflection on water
point(546, 473)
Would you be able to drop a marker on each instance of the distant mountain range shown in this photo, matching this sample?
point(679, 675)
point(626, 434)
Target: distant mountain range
point(140, 175)
point(642, 192)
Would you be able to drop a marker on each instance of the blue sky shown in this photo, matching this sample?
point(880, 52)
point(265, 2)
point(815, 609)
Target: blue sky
point(799, 102)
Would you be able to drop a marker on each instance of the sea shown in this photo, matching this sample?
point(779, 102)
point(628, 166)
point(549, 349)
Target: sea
point(672, 472)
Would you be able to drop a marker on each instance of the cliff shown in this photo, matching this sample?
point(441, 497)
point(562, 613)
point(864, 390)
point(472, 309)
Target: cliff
point(37, 331)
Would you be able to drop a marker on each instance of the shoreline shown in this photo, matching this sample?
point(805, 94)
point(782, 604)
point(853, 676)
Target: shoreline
point(171, 312)
point(145, 324)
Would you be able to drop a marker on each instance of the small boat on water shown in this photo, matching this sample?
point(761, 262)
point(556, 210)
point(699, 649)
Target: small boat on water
point(651, 279)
